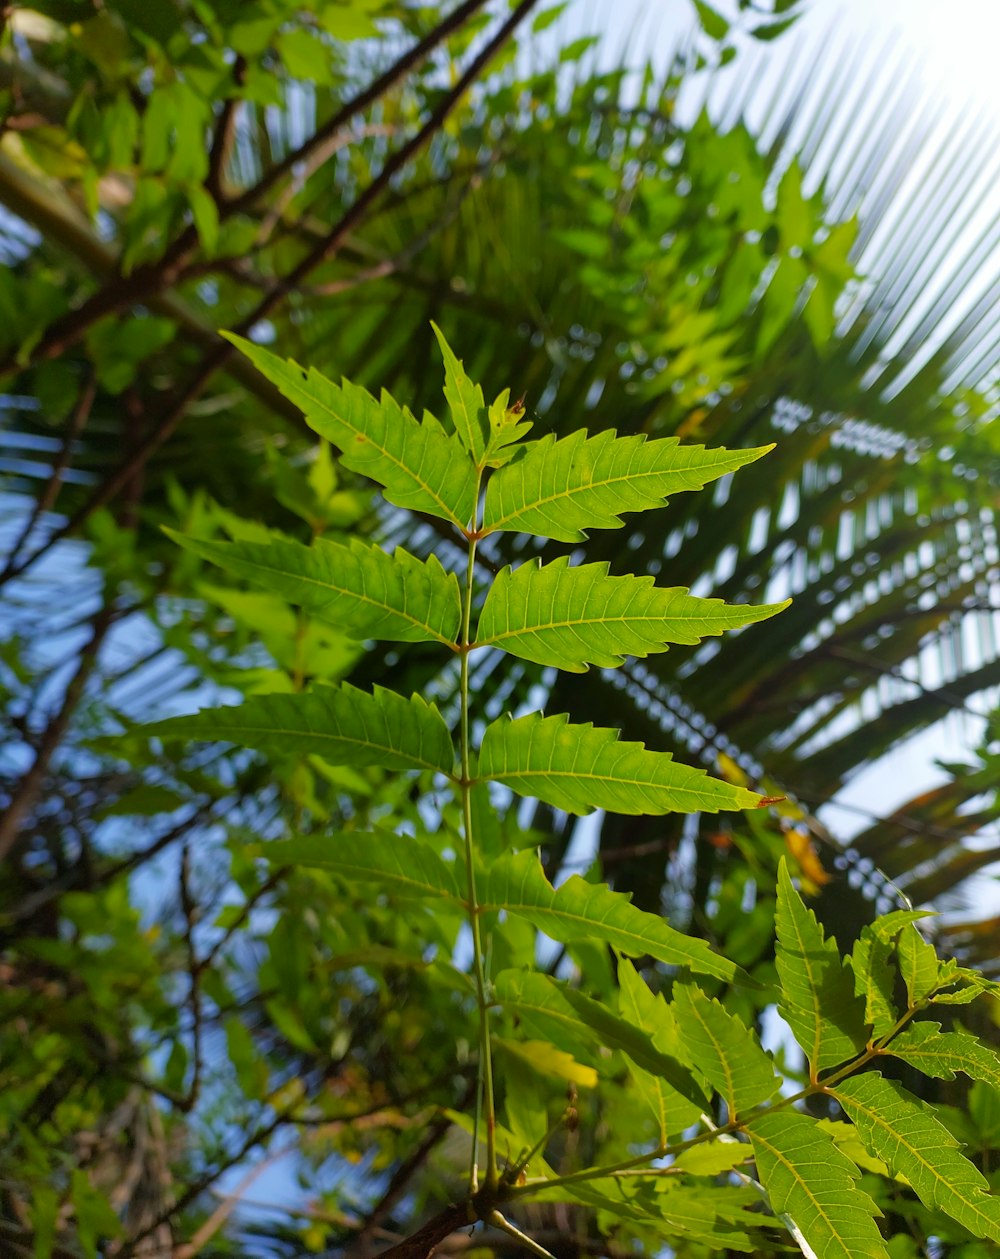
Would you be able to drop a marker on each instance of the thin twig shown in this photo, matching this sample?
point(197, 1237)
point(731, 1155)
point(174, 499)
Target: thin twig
point(46, 500)
point(123, 291)
point(322, 252)
point(378, 88)
point(225, 132)
point(30, 786)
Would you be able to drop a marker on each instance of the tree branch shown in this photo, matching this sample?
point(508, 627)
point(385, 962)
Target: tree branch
point(28, 790)
point(323, 251)
point(397, 71)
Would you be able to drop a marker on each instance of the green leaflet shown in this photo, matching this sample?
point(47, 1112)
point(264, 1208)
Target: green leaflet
point(361, 589)
point(918, 963)
point(578, 910)
point(574, 617)
point(875, 979)
point(558, 488)
point(940, 1054)
point(725, 1049)
point(583, 767)
point(716, 1216)
point(817, 992)
point(401, 864)
point(543, 1001)
point(419, 465)
point(340, 723)
point(465, 401)
point(711, 1158)
point(906, 1135)
point(650, 1012)
point(808, 1179)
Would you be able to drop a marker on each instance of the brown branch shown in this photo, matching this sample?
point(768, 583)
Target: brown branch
point(425, 1241)
point(190, 911)
point(28, 790)
point(402, 1176)
point(46, 500)
point(322, 252)
point(384, 83)
point(229, 1203)
point(225, 133)
point(149, 278)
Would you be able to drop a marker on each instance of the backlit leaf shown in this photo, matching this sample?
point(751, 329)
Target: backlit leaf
point(574, 617)
point(578, 910)
point(875, 980)
point(361, 589)
point(465, 401)
point(726, 1051)
point(419, 465)
point(558, 488)
point(542, 1056)
point(342, 724)
point(648, 1011)
point(582, 767)
point(562, 1009)
point(918, 963)
point(400, 864)
point(810, 1181)
point(940, 1054)
point(907, 1136)
point(817, 992)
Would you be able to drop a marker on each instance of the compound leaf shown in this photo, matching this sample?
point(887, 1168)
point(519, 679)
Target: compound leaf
point(574, 617)
point(340, 723)
point(419, 465)
point(582, 767)
point(578, 910)
point(361, 589)
point(810, 1181)
point(725, 1049)
point(401, 864)
point(940, 1054)
point(559, 487)
point(817, 993)
point(912, 1141)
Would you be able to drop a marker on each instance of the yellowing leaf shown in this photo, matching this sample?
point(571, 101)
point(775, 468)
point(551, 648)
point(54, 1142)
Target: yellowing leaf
point(546, 1058)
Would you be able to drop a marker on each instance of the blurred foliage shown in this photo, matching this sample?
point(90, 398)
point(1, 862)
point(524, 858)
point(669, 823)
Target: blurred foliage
point(170, 1008)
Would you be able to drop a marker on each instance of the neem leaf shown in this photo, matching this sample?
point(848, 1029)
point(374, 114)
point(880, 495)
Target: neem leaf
point(361, 589)
point(649, 1011)
point(578, 910)
point(808, 1179)
point(573, 617)
point(817, 992)
point(912, 1141)
point(875, 979)
point(419, 465)
point(340, 723)
point(400, 864)
point(557, 488)
point(940, 1054)
point(465, 401)
point(918, 963)
point(725, 1049)
point(582, 767)
point(563, 1011)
